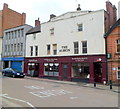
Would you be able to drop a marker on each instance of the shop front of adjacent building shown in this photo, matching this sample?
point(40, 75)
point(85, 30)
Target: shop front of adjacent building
point(16, 63)
point(87, 68)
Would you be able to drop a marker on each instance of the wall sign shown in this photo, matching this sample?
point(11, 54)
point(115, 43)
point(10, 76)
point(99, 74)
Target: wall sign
point(33, 60)
point(64, 49)
point(80, 59)
point(50, 60)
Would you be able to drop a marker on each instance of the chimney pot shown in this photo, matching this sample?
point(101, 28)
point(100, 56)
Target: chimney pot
point(37, 22)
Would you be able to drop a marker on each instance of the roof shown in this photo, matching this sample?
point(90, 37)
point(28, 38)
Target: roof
point(35, 29)
point(113, 27)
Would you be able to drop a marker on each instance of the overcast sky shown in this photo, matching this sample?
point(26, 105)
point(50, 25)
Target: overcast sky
point(43, 8)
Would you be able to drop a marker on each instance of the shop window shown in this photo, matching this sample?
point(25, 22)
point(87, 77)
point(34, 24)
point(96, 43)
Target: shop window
point(118, 46)
point(76, 47)
point(51, 69)
point(54, 49)
point(118, 72)
point(31, 67)
point(48, 49)
point(84, 47)
point(80, 70)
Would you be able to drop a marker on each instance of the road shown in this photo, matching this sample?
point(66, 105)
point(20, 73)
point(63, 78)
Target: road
point(24, 92)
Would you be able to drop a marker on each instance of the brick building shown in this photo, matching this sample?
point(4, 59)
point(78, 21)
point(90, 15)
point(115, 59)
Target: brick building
point(113, 52)
point(9, 19)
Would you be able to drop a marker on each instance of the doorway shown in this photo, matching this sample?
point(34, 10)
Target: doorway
point(65, 71)
point(98, 72)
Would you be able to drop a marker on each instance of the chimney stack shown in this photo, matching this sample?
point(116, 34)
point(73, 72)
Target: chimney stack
point(37, 22)
point(52, 16)
point(111, 10)
point(78, 9)
point(5, 6)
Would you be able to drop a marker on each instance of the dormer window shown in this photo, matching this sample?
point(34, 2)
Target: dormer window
point(52, 31)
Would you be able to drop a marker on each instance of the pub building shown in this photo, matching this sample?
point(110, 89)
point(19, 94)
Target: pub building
point(70, 68)
point(70, 47)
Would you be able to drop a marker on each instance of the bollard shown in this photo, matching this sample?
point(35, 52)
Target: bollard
point(110, 84)
point(94, 84)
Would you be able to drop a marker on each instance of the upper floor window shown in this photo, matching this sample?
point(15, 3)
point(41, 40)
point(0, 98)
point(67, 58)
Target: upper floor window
point(21, 46)
point(31, 50)
point(36, 50)
point(18, 33)
point(22, 32)
point(84, 47)
point(52, 31)
point(5, 48)
point(76, 47)
point(80, 27)
point(14, 47)
point(15, 33)
point(11, 47)
point(118, 75)
point(6, 35)
point(118, 46)
point(34, 36)
point(18, 47)
point(48, 49)
point(54, 49)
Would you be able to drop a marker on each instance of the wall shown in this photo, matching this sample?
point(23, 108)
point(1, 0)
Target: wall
point(66, 32)
point(119, 10)
point(111, 48)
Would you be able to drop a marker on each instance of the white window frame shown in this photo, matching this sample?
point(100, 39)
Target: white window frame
point(52, 31)
point(80, 27)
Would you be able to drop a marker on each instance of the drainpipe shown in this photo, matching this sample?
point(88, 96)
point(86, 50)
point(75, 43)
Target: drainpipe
point(106, 59)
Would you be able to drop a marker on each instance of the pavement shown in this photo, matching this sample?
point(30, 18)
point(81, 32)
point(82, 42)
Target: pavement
point(98, 86)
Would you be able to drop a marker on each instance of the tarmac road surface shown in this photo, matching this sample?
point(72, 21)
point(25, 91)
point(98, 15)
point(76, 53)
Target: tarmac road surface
point(23, 92)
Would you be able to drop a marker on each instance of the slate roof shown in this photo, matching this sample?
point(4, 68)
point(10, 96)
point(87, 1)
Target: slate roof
point(113, 27)
point(35, 29)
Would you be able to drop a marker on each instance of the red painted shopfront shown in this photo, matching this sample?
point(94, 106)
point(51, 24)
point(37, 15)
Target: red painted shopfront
point(87, 68)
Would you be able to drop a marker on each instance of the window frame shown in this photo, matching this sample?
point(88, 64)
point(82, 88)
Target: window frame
point(80, 27)
point(117, 43)
point(118, 70)
point(84, 47)
point(76, 48)
point(36, 50)
point(31, 50)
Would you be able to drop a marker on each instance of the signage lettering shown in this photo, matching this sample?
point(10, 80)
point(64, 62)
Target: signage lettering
point(64, 49)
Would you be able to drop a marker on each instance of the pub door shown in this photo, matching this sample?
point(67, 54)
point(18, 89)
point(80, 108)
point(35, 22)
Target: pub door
point(36, 72)
point(98, 72)
point(65, 71)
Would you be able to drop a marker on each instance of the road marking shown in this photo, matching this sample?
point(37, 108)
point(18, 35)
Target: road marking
point(73, 98)
point(5, 96)
point(48, 93)
point(34, 87)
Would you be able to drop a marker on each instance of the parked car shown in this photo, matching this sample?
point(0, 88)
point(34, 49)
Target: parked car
point(14, 73)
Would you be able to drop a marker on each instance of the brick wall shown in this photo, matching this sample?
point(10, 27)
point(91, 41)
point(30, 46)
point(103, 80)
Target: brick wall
point(114, 62)
point(11, 18)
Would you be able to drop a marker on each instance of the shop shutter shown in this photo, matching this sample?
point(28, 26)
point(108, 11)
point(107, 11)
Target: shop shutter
point(16, 65)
